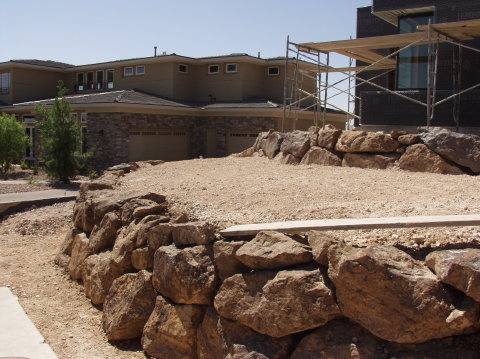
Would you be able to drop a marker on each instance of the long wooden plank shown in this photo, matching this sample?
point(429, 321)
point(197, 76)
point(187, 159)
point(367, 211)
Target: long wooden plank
point(461, 30)
point(353, 223)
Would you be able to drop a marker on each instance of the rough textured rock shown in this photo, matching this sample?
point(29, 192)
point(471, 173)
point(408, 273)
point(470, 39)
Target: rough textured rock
point(339, 339)
point(185, 276)
point(220, 338)
point(419, 158)
point(271, 144)
point(98, 274)
point(128, 306)
point(125, 167)
point(286, 159)
point(83, 217)
point(142, 258)
point(171, 330)
point(79, 254)
point(138, 208)
point(154, 228)
point(460, 268)
point(321, 156)
point(160, 235)
point(409, 139)
point(396, 134)
point(258, 141)
point(295, 300)
point(372, 161)
point(313, 132)
point(124, 245)
point(460, 148)
point(63, 257)
point(328, 137)
point(185, 234)
point(273, 250)
point(104, 235)
point(320, 242)
point(361, 141)
point(296, 143)
point(225, 261)
point(394, 296)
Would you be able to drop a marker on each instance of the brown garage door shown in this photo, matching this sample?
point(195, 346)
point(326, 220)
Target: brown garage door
point(239, 141)
point(158, 145)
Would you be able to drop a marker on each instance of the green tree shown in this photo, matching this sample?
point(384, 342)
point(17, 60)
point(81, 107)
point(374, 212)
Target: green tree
point(13, 142)
point(60, 139)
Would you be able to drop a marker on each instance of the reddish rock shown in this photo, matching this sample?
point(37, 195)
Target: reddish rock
point(320, 242)
point(63, 257)
point(361, 141)
point(328, 137)
point(371, 161)
point(142, 258)
point(226, 262)
point(184, 234)
point(286, 159)
point(321, 156)
point(79, 254)
point(104, 235)
point(419, 158)
point(154, 227)
point(271, 144)
point(296, 143)
point(409, 139)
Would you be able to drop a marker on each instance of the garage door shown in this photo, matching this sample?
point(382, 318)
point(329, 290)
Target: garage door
point(239, 141)
point(158, 145)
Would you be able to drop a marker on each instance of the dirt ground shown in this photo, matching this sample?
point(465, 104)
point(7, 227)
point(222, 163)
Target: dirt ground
point(226, 191)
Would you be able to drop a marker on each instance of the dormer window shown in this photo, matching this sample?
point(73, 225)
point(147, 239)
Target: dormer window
point(230, 68)
point(213, 69)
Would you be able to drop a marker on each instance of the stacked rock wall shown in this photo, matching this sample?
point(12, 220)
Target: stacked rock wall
point(433, 150)
point(188, 293)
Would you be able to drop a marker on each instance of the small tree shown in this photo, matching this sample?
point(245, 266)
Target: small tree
point(13, 142)
point(59, 139)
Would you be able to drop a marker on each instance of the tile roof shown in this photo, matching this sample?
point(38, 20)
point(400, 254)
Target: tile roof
point(46, 63)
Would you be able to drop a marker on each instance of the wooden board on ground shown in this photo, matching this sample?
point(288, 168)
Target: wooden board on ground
point(352, 224)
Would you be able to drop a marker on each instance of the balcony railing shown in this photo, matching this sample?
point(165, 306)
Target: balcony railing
point(93, 86)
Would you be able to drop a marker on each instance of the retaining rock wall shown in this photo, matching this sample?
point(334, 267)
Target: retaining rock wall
point(188, 293)
point(433, 150)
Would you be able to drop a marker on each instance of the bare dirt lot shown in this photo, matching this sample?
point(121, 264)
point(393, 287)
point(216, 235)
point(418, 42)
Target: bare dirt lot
point(225, 191)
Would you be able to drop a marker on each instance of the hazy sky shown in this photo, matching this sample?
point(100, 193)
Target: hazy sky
point(90, 31)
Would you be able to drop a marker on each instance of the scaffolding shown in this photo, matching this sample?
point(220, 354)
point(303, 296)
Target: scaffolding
point(313, 61)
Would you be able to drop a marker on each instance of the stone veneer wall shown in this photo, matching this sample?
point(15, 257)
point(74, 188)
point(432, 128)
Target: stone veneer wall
point(109, 132)
point(188, 293)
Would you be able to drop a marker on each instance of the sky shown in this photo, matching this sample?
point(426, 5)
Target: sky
point(92, 31)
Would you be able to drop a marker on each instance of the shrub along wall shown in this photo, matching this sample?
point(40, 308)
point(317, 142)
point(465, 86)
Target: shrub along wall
point(433, 150)
point(188, 293)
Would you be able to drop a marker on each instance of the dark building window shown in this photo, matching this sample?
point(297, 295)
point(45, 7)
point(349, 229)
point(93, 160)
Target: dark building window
point(413, 62)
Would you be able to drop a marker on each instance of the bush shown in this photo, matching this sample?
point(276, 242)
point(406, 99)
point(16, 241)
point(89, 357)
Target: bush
point(13, 142)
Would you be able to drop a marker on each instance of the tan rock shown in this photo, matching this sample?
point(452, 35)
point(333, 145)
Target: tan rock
point(273, 250)
point(296, 143)
point(160, 235)
point(320, 242)
point(225, 261)
point(328, 136)
point(394, 296)
point(83, 215)
point(122, 250)
point(138, 208)
point(409, 139)
point(153, 227)
point(65, 251)
point(142, 258)
point(128, 306)
point(360, 141)
point(271, 144)
point(185, 276)
point(220, 338)
point(277, 303)
point(321, 156)
point(192, 233)
point(171, 330)
point(286, 159)
point(419, 158)
point(104, 235)
point(458, 267)
point(372, 161)
point(313, 132)
point(79, 254)
point(396, 134)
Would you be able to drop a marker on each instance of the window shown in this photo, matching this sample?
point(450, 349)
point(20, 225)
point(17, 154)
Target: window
point(30, 132)
point(80, 86)
point(4, 82)
point(273, 71)
point(84, 117)
point(90, 80)
point(412, 63)
point(128, 71)
point(140, 70)
point(110, 79)
point(231, 68)
point(213, 69)
point(183, 68)
point(100, 84)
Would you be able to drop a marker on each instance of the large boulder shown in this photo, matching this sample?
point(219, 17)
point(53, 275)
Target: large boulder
point(321, 156)
point(277, 303)
point(419, 158)
point(83, 217)
point(361, 141)
point(192, 233)
point(171, 330)
point(186, 276)
point(320, 242)
point(139, 208)
point(460, 268)
point(79, 254)
point(286, 159)
point(339, 339)
point(463, 149)
point(273, 250)
point(226, 262)
point(372, 161)
point(328, 137)
point(220, 338)
point(409, 139)
point(104, 235)
point(271, 144)
point(296, 143)
point(128, 306)
point(142, 258)
point(155, 229)
point(394, 296)
point(63, 256)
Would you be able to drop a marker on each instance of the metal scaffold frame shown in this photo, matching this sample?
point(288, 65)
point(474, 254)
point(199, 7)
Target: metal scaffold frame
point(313, 61)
